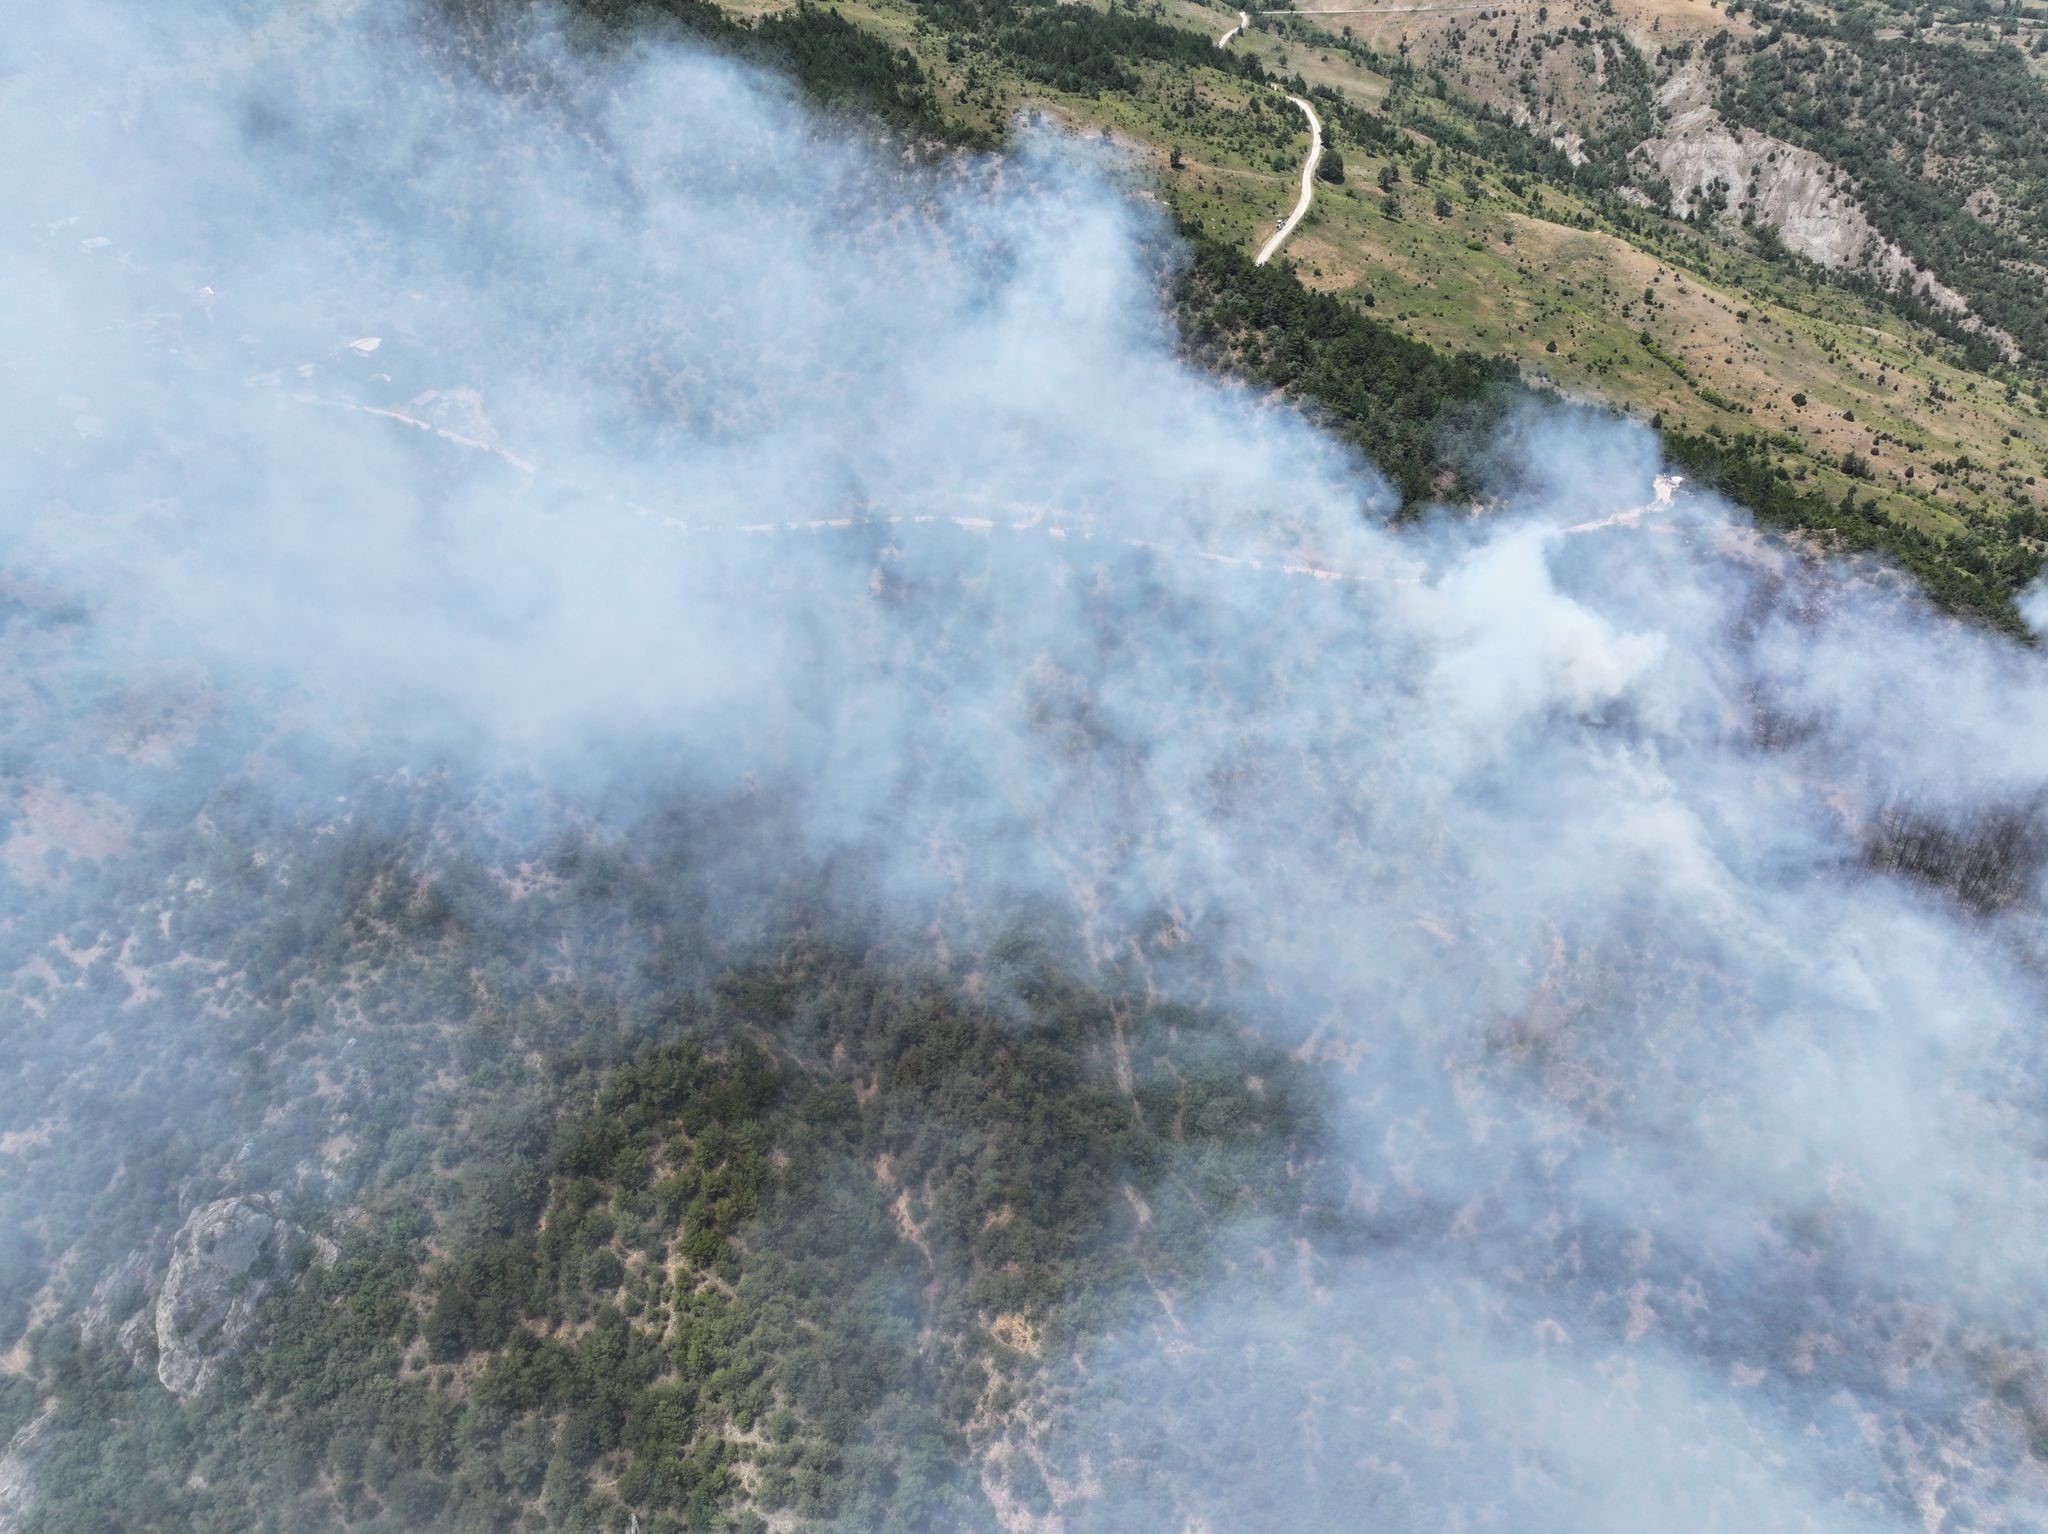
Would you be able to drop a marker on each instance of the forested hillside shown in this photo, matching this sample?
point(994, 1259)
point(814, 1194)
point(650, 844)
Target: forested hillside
point(1952, 142)
point(741, 792)
point(928, 1209)
point(789, 1238)
point(1501, 208)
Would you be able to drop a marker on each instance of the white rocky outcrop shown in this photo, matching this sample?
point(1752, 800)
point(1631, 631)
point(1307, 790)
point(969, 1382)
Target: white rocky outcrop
point(226, 1260)
point(1807, 200)
point(18, 1465)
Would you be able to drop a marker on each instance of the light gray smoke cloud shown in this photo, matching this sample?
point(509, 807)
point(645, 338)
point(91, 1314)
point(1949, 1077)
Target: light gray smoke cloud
point(633, 433)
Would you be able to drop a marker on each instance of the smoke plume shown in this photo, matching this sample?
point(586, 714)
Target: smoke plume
point(1663, 910)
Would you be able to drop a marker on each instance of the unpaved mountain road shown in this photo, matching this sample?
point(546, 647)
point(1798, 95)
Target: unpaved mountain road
point(1384, 10)
point(1308, 182)
point(1003, 519)
point(1308, 167)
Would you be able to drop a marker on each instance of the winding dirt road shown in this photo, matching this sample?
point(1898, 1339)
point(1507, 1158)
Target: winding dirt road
point(1004, 519)
point(1308, 182)
point(1308, 167)
point(1379, 10)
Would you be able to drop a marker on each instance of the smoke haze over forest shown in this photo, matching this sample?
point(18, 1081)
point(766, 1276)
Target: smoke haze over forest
point(543, 442)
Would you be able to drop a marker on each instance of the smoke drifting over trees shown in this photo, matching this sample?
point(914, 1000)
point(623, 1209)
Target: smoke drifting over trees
point(475, 461)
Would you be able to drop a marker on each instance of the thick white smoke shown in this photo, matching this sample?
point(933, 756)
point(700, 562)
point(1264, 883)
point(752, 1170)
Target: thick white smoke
point(631, 430)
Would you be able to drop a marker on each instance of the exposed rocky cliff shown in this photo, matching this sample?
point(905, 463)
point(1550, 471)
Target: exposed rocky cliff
point(1810, 203)
point(18, 1473)
point(227, 1258)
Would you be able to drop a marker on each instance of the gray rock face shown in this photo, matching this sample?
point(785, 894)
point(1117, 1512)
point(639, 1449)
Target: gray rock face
point(120, 1293)
point(228, 1257)
point(18, 1474)
point(1811, 203)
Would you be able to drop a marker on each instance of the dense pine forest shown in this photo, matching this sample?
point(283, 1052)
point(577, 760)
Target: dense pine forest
point(652, 1233)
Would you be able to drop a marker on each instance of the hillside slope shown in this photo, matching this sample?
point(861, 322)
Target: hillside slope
point(714, 820)
point(1503, 171)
